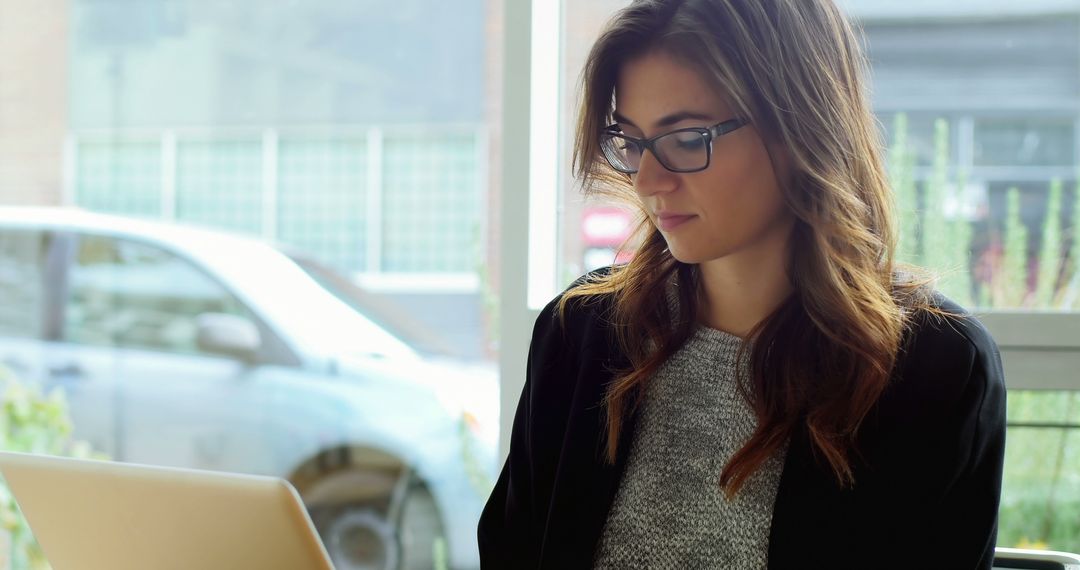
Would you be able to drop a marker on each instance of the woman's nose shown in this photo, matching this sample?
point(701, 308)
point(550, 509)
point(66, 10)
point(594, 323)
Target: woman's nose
point(652, 178)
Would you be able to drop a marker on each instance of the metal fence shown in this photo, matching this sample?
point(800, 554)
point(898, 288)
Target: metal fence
point(383, 201)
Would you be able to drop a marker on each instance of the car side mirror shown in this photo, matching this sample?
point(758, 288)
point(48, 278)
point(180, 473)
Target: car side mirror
point(228, 335)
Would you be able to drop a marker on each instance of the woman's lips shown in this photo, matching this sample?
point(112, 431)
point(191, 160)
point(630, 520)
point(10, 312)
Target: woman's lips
point(668, 222)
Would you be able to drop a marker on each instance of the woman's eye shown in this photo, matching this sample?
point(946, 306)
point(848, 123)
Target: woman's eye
point(691, 143)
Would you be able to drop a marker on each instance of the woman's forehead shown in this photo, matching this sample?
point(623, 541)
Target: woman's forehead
point(655, 86)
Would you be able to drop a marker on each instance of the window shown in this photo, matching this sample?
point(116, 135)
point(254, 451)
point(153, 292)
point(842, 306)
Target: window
point(22, 283)
point(206, 115)
point(373, 138)
point(354, 134)
point(131, 295)
point(1041, 505)
point(1025, 142)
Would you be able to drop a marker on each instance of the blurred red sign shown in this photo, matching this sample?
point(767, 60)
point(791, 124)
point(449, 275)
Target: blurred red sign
point(606, 227)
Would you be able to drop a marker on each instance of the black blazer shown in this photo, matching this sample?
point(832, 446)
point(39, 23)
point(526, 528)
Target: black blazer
point(928, 479)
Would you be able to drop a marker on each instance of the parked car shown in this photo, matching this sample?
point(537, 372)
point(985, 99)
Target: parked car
point(195, 348)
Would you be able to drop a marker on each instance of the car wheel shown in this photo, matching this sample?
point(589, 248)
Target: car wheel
point(420, 528)
point(361, 537)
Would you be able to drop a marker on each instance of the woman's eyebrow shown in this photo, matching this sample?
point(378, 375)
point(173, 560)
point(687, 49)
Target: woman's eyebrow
point(666, 121)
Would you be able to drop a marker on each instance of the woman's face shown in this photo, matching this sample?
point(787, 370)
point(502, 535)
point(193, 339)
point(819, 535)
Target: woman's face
point(733, 206)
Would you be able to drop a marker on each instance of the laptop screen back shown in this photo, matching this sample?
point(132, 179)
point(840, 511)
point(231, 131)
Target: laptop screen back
point(92, 515)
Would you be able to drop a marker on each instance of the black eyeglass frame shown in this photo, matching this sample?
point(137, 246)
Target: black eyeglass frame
point(710, 133)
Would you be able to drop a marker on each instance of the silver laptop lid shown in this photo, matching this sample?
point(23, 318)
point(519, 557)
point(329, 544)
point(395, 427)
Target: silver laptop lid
point(95, 515)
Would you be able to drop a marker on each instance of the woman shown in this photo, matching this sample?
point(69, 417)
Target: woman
point(761, 386)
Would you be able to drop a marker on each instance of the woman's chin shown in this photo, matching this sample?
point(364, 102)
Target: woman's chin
point(686, 255)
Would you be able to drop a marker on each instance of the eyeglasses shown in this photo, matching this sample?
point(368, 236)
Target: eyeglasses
point(682, 150)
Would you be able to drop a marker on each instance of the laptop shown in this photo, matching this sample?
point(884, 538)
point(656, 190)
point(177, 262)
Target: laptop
point(97, 515)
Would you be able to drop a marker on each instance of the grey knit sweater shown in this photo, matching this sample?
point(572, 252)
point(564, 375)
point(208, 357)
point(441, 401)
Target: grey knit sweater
point(669, 511)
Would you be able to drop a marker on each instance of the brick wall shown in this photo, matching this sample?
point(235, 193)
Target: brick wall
point(33, 100)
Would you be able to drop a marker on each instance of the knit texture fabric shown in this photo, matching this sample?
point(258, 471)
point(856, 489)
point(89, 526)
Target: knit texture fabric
point(669, 511)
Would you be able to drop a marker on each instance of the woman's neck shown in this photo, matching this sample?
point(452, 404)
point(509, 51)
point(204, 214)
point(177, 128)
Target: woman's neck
point(740, 290)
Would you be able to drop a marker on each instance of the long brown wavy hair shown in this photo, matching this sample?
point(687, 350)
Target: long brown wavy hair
point(823, 358)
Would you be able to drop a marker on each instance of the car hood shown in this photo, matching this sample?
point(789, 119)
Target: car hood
point(465, 389)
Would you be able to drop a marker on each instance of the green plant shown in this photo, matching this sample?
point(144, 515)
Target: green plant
point(1041, 498)
point(929, 235)
point(946, 239)
point(935, 228)
point(1012, 289)
point(1070, 297)
point(959, 285)
point(31, 422)
point(1050, 258)
point(902, 179)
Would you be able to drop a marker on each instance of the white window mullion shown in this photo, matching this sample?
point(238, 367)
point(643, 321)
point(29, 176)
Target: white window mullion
point(1039, 350)
point(544, 169)
point(528, 231)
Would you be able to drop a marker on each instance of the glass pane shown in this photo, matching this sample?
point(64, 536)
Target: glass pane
point(323, 199)
point(308, 286)
point(919, 136)
point(970, 57)
point(1040, 503)
point(1026, 406)
point(433, 202)
point(22, 283)
point(1022, 252)
point(1025, 142)
point(121, 177)
point(219, 183)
